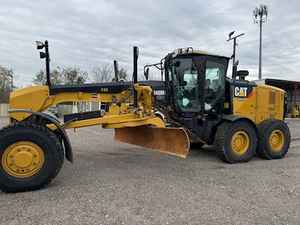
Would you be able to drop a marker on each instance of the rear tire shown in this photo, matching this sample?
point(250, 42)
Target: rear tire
point(274, 139)
point(22, 146)
point(236, 142)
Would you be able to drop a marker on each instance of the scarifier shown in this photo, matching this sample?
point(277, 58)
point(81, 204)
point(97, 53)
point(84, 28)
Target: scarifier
point(194, 102)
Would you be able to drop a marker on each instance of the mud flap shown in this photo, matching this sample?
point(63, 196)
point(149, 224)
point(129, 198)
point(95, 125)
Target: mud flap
point(173, 141)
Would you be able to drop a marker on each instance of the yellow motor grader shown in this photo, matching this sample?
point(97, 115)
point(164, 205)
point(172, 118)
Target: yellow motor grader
point(193, 103)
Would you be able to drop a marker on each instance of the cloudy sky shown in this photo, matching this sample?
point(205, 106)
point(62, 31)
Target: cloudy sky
point(88, 33)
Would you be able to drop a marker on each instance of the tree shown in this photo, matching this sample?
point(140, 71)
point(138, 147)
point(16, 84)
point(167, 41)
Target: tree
point(73, 75)
point(105, 73)
point(123, 74)
point(6, 83)
point(69, 75)
point(55, 77)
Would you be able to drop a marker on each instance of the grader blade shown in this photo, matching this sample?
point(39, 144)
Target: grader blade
point(173, 141)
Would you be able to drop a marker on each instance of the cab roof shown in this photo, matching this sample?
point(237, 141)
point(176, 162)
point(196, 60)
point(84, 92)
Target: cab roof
point(191, 51)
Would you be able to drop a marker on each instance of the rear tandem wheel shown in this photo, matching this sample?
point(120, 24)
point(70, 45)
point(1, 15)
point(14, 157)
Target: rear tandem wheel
point(274, 139)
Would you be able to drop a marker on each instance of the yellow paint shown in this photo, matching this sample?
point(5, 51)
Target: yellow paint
point(121, 113)
point(37, 99)
point(114, 109)
point(151, 121)
point(240, 143)
point(276, 140)
point(265, 102)
point(145, 97)
point(295, 112)
point(22, 159)
point(246, 107)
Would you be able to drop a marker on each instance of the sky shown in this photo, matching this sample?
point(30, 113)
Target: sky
point(87, 33)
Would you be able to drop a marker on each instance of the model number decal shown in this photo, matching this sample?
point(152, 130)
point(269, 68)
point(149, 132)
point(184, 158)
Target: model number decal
point(240, 91)
point(159, 92)
point(103, 89)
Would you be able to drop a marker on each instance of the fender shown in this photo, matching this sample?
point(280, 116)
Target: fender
point(235, 118)
point(60, 129)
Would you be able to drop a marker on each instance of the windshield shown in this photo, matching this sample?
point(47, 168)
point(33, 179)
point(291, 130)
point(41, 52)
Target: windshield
point(191, 90)
point(185, 77)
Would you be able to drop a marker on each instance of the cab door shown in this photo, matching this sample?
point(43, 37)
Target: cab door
point(186, 91)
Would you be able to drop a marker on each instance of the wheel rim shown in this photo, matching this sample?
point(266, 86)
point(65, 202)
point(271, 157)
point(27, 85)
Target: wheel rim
point(240, 142)
point(276, 140)
point(23, 159)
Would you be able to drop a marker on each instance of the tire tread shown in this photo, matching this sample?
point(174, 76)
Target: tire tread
point(59, 154)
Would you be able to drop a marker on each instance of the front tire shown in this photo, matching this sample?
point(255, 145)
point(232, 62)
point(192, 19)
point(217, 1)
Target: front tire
point(30, 155)
point(236, 142)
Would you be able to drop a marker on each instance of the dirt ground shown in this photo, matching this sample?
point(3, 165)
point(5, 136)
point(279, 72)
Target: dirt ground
point(112, 183)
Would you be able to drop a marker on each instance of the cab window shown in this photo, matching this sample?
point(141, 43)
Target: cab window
point(214, 82)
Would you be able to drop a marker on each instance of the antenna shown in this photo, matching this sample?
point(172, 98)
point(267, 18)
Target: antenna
point(234, 62)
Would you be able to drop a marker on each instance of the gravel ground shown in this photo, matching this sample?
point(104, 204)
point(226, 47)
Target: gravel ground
point(112, 183)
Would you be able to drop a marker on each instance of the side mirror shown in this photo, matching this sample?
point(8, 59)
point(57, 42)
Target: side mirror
point(146, 73)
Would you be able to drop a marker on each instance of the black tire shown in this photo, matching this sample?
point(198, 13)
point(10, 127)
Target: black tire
point(223, 138)
point(43, 138)
point(265, 129)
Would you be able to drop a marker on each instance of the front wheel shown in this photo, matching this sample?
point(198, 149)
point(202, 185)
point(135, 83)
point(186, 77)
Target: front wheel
point(30, 155)
point(236, 142)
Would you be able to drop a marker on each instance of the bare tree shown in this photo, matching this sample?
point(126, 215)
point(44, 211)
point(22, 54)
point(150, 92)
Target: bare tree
point(55, 77)
point(69, 75)
point(123, 75)
point(73, 75)
point(103, 73)
point(6, 83)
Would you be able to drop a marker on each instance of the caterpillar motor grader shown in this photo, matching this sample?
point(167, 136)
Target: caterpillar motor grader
point(194, 102)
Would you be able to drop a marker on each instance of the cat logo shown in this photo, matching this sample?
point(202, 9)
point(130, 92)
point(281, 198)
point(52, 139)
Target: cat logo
point(240, 91)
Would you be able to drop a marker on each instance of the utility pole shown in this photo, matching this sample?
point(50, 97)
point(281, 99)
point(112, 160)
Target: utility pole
point(260, 15)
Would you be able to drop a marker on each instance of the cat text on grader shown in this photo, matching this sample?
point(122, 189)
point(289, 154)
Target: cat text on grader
point(194, 102)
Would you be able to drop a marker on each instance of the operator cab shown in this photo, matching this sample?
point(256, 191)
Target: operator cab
point(195, 81)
